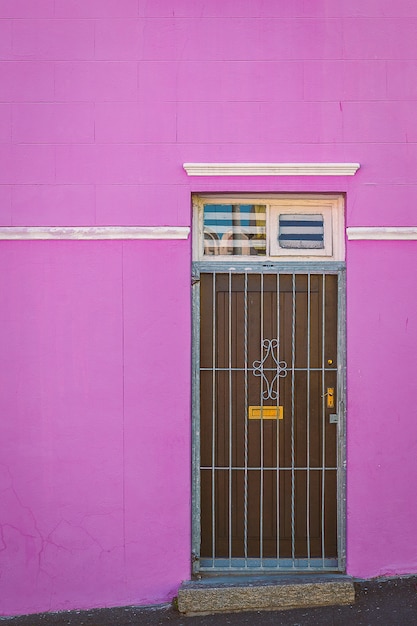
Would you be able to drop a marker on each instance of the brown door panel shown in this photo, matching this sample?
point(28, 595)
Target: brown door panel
point(282, 486)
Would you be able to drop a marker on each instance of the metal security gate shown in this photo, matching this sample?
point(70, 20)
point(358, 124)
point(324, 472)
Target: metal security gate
point(268, 417)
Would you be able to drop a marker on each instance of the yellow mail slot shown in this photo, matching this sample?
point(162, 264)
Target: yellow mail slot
point(266, 412)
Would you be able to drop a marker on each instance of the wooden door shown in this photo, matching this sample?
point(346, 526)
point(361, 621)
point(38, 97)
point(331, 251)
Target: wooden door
point(268, 486)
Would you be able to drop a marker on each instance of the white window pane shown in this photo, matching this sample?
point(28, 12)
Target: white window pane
point(301, 231)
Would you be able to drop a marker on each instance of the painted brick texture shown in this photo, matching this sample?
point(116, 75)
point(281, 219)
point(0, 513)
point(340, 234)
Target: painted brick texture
point(160, 74)
point(101, 102)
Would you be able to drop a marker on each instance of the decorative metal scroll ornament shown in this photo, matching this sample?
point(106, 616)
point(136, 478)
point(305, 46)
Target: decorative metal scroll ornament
point(270, 347)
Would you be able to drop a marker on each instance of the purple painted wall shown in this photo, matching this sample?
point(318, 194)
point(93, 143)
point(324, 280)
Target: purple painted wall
point(101, 101)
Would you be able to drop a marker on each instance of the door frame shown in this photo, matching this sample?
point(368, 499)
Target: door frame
point(268, 267)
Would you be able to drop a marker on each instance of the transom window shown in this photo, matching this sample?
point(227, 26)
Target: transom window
point(282, 226)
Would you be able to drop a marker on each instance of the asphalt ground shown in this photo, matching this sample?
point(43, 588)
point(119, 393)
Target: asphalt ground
point(383, 602)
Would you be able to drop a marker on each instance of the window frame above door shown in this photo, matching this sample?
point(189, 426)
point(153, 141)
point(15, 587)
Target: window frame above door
point(331, 206)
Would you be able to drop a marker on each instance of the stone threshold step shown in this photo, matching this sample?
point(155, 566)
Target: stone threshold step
point(225, 594)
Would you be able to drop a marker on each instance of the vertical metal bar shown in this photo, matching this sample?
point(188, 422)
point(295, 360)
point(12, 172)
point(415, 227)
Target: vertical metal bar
point(278, 422)
point(323, 414)
point(196, 542)
point(213, 424)
point(293, 421)
point(341, 424)
point(245, 521)
point(230, 418)
point(308, 418)
point(261, 502)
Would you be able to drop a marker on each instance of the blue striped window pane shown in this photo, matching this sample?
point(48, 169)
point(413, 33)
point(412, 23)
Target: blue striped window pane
point(234, 229)
point(301, 231)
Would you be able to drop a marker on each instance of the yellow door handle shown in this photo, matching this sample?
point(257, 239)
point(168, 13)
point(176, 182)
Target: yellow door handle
point(330, 397)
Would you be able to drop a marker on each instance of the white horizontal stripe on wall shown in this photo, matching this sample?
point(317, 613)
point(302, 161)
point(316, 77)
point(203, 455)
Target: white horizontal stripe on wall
point(271, 169)
point(382, 233)
point(93, 232)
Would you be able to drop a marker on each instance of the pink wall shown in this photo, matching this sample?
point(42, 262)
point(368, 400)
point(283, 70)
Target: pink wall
point(101, 101)
point(95, 428)
point(382, 430)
